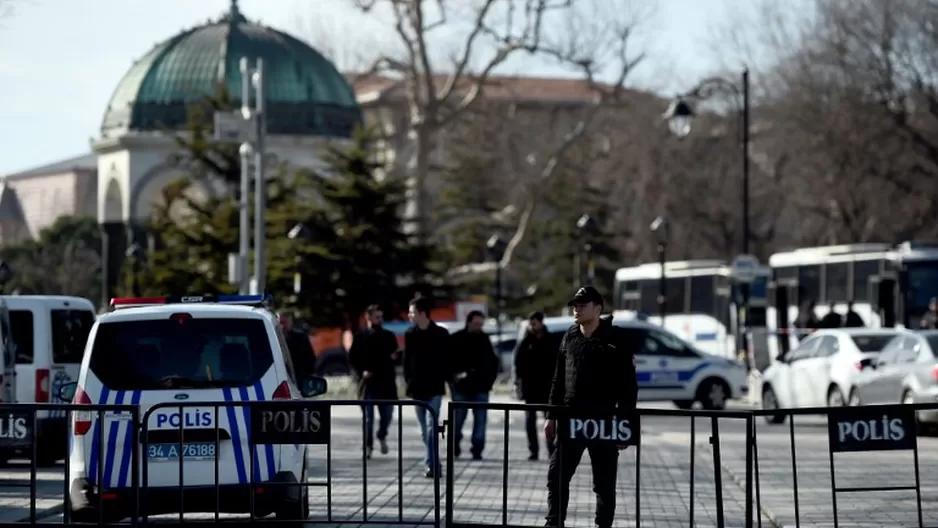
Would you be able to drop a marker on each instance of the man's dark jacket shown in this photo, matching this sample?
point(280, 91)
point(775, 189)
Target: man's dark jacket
point(473, 354)
point(595, 375)
point(426, 368)
point(301, 353)
point(372, 351)
point(535, 362)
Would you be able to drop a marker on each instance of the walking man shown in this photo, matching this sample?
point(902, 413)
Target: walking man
point(475, 367)
point(372, 357)
point(535, 360)
point(594, 377)
point(426, 371)
point(300, 348)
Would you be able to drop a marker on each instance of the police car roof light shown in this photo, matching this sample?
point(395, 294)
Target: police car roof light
point(244, 300)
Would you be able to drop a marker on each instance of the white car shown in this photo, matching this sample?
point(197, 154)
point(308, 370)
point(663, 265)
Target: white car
point(184, 350)
point(670, 369)
point(822, 370)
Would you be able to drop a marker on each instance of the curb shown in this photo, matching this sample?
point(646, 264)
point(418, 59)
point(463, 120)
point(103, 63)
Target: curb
point(43, 513)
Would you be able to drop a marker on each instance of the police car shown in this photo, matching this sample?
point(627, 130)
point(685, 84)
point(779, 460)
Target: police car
point(184, 350)
point(670, 369)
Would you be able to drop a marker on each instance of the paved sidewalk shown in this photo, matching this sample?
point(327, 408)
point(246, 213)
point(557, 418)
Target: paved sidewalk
point(15, 491)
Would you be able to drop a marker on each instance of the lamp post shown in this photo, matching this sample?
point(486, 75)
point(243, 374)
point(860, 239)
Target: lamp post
point(136, 255)
point(496, 247)
point(588, 229)
point(659, 227)
point(302, 233)
point(248, 127)
point(680, 115)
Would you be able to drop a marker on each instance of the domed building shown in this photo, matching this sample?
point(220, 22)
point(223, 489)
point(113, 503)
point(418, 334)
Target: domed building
point(308, 103)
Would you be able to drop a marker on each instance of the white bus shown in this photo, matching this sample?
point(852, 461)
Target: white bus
point(891, 286)
point(702, 300)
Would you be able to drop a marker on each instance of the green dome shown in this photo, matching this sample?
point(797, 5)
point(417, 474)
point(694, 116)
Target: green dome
point(305, 94)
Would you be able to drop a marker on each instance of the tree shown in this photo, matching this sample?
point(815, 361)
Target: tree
point(64, 260)
point(438, 96)
point(358, 252)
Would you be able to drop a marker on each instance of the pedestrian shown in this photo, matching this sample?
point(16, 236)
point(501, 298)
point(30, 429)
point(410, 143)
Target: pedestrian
point(832, 319)
point(594, 377)
point(930, 317)
point(426, 371)
point(535, 359)
point(372, 358)
point(852, 319)
point(301, 349)
point(475, 368)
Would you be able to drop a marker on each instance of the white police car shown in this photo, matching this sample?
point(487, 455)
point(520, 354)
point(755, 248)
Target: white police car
point(184, 350)
point(670, 369)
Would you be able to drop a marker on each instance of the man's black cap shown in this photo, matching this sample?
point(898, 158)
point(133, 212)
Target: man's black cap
point(585, 295)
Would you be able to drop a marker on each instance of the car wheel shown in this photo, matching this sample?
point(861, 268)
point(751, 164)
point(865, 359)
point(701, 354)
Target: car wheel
point(770, 403)
point(854, 400)
point(713, 394)
point(835, 398)
point(298, 511)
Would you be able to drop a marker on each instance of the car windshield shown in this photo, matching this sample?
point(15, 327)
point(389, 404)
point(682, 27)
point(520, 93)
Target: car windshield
point(872, 342)
point(169, 354)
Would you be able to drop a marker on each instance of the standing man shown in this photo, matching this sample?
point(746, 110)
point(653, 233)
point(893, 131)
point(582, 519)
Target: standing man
point(372, 359)
point(426, 372)
point(535, 360)
point(852, 319)
point(832, 319)
point(301, 350)
point(475, 367)
point(930, 317)
point(594, 377)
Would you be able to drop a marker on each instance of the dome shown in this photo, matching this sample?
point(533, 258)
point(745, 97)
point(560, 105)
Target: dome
point(305, 94)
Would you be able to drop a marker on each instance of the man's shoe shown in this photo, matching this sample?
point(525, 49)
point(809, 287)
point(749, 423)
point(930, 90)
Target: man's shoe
point(457, 452)
point(368, 451)
point(532, 457)
point(429, 473)
point(477, 456)
point(383, 444)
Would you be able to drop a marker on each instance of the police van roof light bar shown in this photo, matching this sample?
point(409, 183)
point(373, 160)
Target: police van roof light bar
point(243, 300)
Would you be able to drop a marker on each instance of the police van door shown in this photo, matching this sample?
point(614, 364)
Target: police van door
point(7, 358)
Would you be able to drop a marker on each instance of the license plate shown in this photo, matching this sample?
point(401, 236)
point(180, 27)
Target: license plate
point(190, 451)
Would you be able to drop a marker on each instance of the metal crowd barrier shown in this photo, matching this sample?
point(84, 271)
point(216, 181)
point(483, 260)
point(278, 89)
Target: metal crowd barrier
point(633, 439)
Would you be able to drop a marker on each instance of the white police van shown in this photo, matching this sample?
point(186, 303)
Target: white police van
point(184, 350)
point(670, 369)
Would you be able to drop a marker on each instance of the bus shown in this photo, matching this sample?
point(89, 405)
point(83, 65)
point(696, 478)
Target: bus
point(890, 286)
point(703, 301)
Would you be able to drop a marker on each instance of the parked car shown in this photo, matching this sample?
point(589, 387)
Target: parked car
point(822, 370)
point(906, 371)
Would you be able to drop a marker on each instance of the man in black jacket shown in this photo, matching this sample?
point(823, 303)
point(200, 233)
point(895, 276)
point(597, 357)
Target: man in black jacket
point(301, 350)
point(426, 371)
point(535, 360)
point(372, 357)
point(594, 377)
point(475, 368)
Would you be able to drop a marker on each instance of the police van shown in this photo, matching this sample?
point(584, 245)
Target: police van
point(46, 337)
point(670, 369)
point(185, 350)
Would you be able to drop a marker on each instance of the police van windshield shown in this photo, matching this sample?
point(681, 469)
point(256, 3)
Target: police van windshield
point(168, 354)
point(70, 330)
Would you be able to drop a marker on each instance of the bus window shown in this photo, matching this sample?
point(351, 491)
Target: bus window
point(809, 283)
point(862, 271)
point(922, 283)
point(835, 281)
point(676, 290)
point(723, 306)
point(649, 296)
point(702, 295)
point(631, 296)
point(786, 273)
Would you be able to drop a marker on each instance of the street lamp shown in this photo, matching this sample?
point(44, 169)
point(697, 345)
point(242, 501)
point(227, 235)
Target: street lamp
point(680, 115)
point(659, 227)
point(496, 247)
point(588, 229)
point(302, 233)
point(136, 255)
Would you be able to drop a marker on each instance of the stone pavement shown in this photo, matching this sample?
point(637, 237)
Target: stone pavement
point(812, 461)
point(15, 491)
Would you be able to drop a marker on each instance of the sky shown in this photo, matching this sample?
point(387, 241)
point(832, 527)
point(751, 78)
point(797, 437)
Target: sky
point(60, 60)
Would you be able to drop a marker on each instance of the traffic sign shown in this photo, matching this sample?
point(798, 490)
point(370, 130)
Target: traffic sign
point(232, 127)
point(744, 268)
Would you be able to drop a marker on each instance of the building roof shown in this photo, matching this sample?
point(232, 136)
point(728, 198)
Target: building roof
point(84, 162)
point(305, 94)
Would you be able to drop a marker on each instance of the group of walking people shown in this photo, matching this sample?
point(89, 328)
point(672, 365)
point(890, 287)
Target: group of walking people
point(589, 370)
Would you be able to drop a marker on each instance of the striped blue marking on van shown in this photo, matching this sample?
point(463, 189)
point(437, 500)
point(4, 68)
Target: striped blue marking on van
point(268, 448)
point(95, 444)
point(235, 436)
point(122, 478)
point(111, 447)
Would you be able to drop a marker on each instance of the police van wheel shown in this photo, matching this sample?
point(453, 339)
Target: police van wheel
point(296, 511)
point(770, 403)
point(713, 394)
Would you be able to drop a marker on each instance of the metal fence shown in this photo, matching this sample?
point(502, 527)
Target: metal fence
point(622, 430)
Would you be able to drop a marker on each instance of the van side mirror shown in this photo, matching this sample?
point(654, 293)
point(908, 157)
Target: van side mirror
point(313, 386)
point(67, 391)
